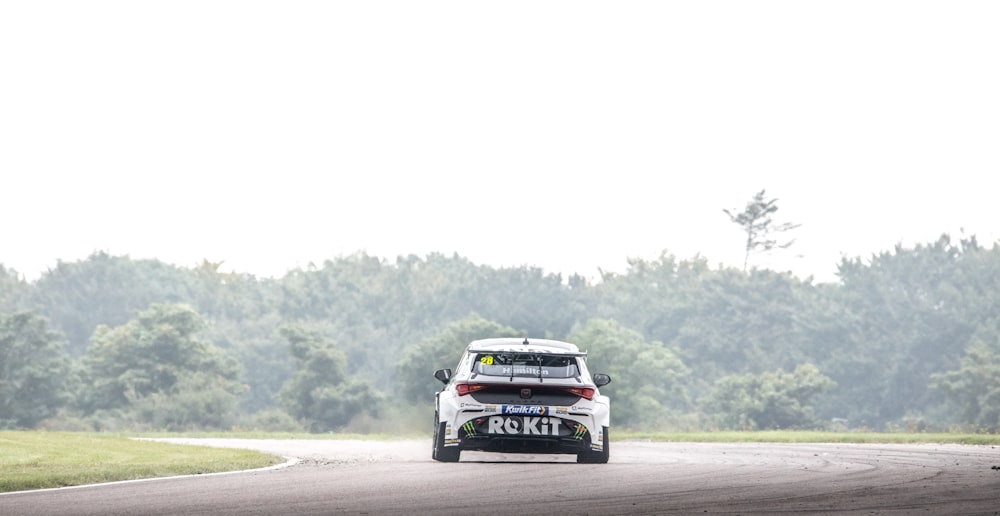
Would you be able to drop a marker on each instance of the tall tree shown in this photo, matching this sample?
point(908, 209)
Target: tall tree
point(742, 323)
point(974, 387)
point(770, 401)
point(105, 289)
point(14, 290)
point(155, 367)
point(910, 313)
point(418, 363)
point(319, 393)
point(757, 221)
point(648, 388)
point(34, 370)
point(652, 297)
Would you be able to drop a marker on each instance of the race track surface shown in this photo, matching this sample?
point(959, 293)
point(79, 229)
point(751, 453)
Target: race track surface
point(398, 477)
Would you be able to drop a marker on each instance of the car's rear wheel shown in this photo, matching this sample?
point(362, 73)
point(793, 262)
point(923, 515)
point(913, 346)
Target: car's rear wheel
point(595, 457)
point(440, 453)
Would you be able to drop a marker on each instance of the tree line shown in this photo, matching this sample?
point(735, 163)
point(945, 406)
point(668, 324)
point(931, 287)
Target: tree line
point(906, 339)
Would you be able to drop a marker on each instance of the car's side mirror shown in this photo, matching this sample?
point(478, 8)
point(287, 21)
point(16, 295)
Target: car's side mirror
point(445, 374)
point(601, 379)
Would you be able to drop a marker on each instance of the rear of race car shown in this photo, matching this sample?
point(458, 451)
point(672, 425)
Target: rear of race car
point(520, 397)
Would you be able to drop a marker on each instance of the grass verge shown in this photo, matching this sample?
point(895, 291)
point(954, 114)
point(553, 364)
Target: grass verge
point(38, 460)
point(781, 436)
point(252, 434)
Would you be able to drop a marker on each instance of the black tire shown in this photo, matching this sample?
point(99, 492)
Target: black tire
point(440, 453)
point(595, 457)
point(434, 440)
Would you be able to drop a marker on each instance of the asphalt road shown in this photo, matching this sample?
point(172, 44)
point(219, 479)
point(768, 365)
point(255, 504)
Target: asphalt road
point(398, 477)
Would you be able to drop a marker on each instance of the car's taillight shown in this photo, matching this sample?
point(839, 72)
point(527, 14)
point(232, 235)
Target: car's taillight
point(583, 392)
point(465, 388)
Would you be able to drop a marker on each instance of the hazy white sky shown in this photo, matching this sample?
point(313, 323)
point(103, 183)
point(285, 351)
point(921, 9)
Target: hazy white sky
point(566, 135)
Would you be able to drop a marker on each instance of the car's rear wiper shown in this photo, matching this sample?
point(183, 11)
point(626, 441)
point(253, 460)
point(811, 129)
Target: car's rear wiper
point(539, 368)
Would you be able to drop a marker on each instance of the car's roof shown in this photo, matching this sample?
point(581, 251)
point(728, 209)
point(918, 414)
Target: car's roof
point(525, 345)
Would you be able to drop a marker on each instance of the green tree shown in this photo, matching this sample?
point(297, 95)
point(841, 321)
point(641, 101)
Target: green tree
point(378, 309)
point(652, 297)
point(319, 393)
point(265, 360)
point(105, 289)
point(974, 387)
point(245, 319)
point(740, 323)
point(647, 389)
point(34, 370)
point(14, 290)
point(197, 400)
point(910, 313)
point(154, 367)
point(416, 368)
point(758, 223)
point(771, 400)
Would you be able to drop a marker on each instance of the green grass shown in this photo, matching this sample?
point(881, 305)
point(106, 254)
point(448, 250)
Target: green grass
point(252, 434)
point(38, 460)
point(783, 436)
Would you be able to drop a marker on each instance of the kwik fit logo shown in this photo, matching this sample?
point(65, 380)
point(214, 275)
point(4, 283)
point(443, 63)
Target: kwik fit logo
point(524, 410)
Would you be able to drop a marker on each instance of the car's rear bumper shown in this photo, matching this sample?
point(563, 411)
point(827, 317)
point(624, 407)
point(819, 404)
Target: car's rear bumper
point(494, 430)
point(515, 444)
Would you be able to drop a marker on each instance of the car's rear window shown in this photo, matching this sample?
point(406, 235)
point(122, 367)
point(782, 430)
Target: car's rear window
point(531, 365)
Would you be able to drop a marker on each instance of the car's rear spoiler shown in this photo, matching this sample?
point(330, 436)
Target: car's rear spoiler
point(526, 350)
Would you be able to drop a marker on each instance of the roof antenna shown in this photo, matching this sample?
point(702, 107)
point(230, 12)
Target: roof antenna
point(525, 341)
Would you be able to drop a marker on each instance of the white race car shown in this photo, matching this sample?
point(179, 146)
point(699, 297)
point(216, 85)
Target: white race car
point(520, 396)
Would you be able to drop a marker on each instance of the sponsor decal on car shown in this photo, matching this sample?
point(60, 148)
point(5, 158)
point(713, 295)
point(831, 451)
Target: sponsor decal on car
point(527, 425)
point(524, 410)
point(597, 444)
